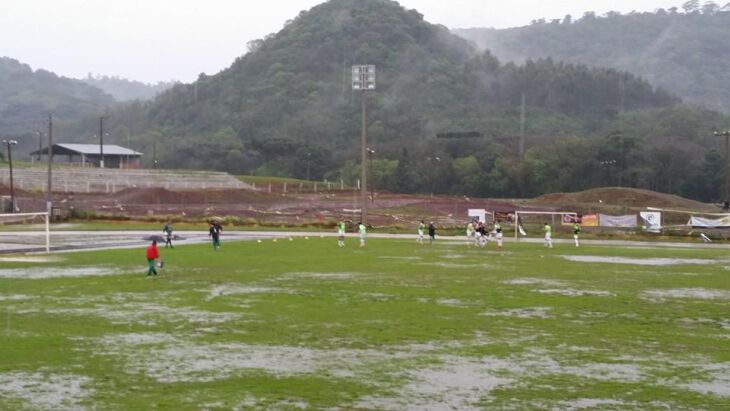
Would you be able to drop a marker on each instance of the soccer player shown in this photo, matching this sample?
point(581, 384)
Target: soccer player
point(431, 233)
point(498, 235)
point(548, 235)
point(168, 234)
point(470, 233)
point(576, 233)
point(341, 234)
point(481, 235)
point(421, 229)
point(152, 255)
point(215, 233)
point(363, 232)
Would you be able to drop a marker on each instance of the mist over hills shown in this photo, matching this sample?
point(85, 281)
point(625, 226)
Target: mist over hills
point(28, 96)
point(684, 51)
point(127, 90)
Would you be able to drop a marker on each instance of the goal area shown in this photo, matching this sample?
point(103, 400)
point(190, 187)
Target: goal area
point(530, 223)
point(25, 232)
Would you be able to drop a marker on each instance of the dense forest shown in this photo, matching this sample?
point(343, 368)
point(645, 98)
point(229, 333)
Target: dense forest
point(445, 117)
point(126, 90)
point(27, 97)
point(685, 50)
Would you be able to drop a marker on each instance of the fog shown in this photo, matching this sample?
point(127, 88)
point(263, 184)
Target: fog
point(179, 39)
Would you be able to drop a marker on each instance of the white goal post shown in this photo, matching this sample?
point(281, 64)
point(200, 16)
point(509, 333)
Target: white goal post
point(550, 213)
point(24, 217)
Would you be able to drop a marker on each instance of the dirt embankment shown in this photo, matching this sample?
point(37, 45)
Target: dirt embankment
point(612, 198)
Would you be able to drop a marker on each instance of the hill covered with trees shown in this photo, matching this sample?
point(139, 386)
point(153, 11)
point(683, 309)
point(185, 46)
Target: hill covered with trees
point(684, 50)
point(126, 90)
point(28, 96)
point(286, 108)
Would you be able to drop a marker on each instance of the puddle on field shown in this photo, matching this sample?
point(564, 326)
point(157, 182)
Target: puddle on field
point(169, 359)
point(535, 281)
point(457, 384)
point(638, 261)
point(456, 265)
point(15, 297)
point(685, 293)
point(40, 273)
point(524, 313)
point(234, 289)
point(147, 314)
point(31, 259)
point(318, 276)
point(387, 257)
point(46, 391)
point(572, 292)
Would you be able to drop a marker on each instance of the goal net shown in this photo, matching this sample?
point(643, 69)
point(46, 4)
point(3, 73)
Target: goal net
point(25, 232)
point(531, 223)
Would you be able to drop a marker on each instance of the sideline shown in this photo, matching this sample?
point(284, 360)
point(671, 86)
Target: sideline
point(73, 241)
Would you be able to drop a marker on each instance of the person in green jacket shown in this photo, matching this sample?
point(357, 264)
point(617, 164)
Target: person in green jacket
point(341, 233)
point(548, 235)
point(363, 232)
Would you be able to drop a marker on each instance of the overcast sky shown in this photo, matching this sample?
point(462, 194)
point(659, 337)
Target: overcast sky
point(153, 40)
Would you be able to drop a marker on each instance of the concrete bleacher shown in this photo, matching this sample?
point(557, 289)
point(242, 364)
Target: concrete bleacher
point(96, 180)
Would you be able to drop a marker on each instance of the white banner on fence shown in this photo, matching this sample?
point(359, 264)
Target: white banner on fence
point(652, 221)
point(478, 214)
point(700, 222)
point(619, 221)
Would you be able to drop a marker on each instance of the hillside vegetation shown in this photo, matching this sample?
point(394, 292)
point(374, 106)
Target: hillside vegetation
point(685, 51)
point(28, 96)
point(285, 109)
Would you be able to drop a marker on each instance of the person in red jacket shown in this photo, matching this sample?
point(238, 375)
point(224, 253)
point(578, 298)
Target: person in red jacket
point(152, 255)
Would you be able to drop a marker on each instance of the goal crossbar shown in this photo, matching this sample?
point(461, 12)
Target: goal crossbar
point(46, 220)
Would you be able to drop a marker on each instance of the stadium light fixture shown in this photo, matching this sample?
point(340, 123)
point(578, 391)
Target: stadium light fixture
point(9, 144)
point(363, 80)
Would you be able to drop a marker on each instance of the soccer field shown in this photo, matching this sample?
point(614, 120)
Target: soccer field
point(395, 326)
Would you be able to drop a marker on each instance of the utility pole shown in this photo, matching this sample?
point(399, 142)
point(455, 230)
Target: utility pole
point(40, 144)
point(101, 141)
point(49, 192)
point(521, 148)
point(364, 160)
point(9, 144)
point(726, 134)
point(363, 80)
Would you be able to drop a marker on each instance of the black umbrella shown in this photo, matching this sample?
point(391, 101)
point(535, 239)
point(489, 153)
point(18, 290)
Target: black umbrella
point(158, 238)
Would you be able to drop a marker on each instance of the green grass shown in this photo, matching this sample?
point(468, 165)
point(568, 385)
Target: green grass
point(391, 326)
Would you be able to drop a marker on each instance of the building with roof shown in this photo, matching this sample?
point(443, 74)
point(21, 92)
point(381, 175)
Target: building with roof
point(89, 155)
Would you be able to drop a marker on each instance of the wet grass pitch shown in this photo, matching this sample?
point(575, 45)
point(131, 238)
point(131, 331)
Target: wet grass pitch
point(303, 324)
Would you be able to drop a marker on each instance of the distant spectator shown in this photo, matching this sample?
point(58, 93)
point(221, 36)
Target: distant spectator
point(431, 233)
point(168, 234)
point(215, 234)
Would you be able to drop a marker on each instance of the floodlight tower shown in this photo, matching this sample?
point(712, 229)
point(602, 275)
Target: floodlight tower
point(363, 80)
